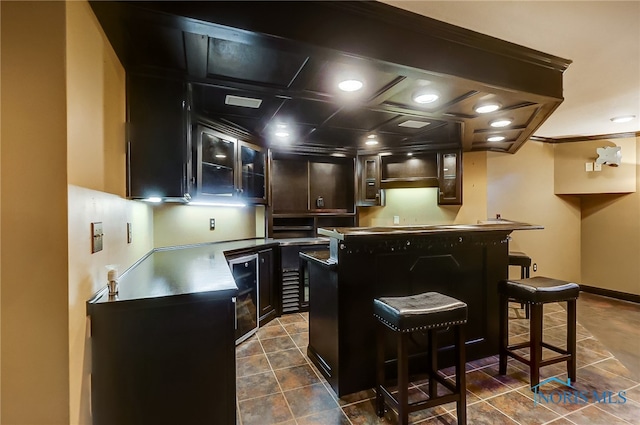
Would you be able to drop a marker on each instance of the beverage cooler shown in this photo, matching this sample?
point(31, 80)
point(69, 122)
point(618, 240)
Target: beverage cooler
point(245, 273)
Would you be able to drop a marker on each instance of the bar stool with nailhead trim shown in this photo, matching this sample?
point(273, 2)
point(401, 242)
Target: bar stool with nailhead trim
point(428, 312)
point(522, 260)
point(535, 292)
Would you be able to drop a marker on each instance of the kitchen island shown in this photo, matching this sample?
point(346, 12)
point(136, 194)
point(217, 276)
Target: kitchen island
point(462, 261)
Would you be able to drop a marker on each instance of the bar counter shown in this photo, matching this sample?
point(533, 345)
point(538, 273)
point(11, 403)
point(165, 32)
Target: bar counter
point(462, 261)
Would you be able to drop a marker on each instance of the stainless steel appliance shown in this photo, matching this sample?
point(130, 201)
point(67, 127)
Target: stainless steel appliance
point(245, 273)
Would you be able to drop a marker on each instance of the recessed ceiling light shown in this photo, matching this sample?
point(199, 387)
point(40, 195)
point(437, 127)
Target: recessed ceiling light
point(413, 124)
point(623, 118)
point(409, 154)
point(245, 102)
point(495, 139)
point(486, 108)
point(281, 133)
point(371, 142)
point(350, 85)
point(425, 97)
point(371, 136)
point(221, 155)
point(502, 122)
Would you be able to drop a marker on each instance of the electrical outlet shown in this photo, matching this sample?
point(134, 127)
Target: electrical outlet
point(588, 166)
point(597, 167)
point(535, 267)
point(129, 235)
point(212, 224)
point(96, 237)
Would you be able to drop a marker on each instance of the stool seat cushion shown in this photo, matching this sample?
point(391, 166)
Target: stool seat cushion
point(538, 290)
point(423, 311)
point(517, 258)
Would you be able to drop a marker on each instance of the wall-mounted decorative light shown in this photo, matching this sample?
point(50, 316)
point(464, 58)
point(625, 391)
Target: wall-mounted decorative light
point(609, 155)
point(372, 139)
point(623, 118)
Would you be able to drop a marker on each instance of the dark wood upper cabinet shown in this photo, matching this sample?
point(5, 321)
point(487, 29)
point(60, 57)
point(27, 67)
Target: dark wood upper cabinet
point(228, 168)
point(450, 178)
point(377, 172)
point(403, 170)
point(308, 192)
point(159, 142)
point(368, 174)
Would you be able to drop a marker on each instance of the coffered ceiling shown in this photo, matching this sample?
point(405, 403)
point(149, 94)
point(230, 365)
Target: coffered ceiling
point(273, 68)
point(602, 38)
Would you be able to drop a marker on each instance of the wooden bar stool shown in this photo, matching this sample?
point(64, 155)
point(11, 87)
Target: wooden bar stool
point(535, 292)
point(424, 312)
point(522, 260)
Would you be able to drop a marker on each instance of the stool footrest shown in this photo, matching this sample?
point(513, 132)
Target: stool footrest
point(422, 404)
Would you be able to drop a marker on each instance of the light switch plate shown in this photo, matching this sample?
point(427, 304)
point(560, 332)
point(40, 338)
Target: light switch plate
point(212, 224)
point(588, 166)
point(96, 237)
point(597, 167)
point(396, 219)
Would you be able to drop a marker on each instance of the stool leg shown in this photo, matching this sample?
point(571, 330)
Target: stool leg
point(525, 272)
point(461, 382)
point(535, 344)
point(403, 378)
point(433, 364)
point(503, 333)
point(380, 370)
point(571, 340)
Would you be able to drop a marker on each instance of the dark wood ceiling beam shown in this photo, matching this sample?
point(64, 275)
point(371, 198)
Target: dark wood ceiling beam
point(196, 48)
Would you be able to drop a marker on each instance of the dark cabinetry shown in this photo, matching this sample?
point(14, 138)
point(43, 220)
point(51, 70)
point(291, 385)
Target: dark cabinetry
point(369, 191)
point(163, 361)
point(228, 168)
point(295, 277)
point(269, 295)
point(308, 192)
point(426, 169)
point(158, 145)
point(450, 178)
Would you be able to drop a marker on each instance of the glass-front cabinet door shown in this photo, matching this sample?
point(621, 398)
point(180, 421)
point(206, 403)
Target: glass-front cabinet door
point(229, 168)
point(216, 163)
point(369, 193)
point(253, 164)
point(450, 178)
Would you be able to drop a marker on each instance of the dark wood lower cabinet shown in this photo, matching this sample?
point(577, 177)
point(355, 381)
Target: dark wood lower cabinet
point(163, 361)
point(269, 294)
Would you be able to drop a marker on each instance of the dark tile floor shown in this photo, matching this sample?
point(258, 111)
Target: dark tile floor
point(277, 384)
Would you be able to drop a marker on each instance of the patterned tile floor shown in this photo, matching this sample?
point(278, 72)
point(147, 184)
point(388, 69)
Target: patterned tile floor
point(277, 384)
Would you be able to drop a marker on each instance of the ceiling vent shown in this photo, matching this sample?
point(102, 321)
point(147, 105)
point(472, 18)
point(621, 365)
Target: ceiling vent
point(413, 124)
point(245, 102)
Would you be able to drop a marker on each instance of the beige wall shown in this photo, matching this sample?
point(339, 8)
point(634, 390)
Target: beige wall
point(521, 187)
point(570, 176)
point(96, 169)
point(34, 310)
point(611, 238)
point(420, 205)
point(183, 225)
